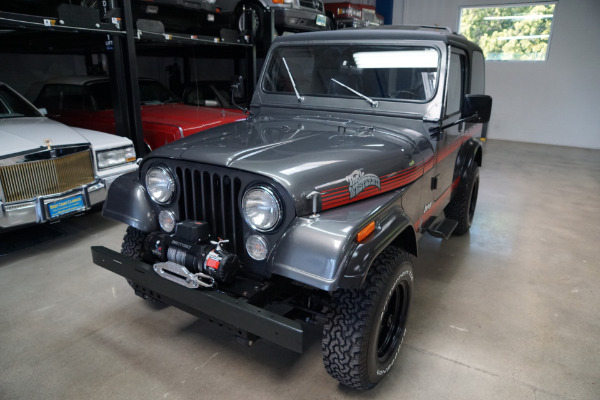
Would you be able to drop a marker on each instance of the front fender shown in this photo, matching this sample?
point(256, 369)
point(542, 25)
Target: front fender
point(322, 252)
point(128, 202)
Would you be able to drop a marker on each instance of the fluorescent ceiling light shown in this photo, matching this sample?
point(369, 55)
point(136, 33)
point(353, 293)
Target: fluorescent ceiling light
point(427, 58)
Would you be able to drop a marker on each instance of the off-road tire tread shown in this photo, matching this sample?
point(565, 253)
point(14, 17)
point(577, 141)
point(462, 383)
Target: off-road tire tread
point(458, 208)
point(133, 242)
point(348, 322)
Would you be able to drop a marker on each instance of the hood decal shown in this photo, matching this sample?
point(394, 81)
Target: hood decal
point(343, 195)
point(358, 181)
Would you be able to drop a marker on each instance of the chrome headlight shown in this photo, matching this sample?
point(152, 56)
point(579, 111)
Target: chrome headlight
point(261, 208)
point(115, 157)
point(160, 184)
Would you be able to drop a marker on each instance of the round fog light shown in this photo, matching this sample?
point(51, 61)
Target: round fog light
point(256, 246)
point(166, 219)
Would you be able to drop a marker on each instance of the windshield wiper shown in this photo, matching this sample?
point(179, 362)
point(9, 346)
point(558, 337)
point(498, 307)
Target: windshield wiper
point(300, 98)
point(372, 102)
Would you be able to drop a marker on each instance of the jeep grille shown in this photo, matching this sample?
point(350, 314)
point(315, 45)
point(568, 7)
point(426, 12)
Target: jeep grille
point(212, 197)
point(27, 180)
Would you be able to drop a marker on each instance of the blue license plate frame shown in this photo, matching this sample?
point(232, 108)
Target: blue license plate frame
point(65, 205)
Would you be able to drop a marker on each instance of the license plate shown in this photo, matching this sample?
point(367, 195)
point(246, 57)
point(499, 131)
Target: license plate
point(66, 206)
point(321, 20)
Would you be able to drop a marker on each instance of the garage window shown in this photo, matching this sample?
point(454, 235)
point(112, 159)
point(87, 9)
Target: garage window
point(519, 32)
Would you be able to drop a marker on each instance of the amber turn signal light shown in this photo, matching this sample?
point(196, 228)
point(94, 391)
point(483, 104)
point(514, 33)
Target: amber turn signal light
point(366, 231)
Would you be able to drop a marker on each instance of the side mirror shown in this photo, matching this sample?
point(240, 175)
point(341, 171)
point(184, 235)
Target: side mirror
point(479, 105)
point(237, 83)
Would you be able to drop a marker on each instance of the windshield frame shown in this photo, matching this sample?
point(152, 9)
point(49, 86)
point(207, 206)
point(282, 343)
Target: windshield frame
point(429, 109)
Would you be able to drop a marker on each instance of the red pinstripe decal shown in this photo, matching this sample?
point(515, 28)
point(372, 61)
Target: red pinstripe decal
point(340, 195)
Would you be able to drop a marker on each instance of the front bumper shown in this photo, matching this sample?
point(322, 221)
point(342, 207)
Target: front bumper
point(294, 19)
point(204, 303)
point(37, 210)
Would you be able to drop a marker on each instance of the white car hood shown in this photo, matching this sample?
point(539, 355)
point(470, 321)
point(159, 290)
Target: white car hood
point(29, 133)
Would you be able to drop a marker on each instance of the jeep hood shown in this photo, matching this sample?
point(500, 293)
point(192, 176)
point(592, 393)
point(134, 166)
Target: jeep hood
point(343, 160)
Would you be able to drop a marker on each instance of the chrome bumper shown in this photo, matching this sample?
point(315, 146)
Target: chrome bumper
point(36, 210)
point(297, 19)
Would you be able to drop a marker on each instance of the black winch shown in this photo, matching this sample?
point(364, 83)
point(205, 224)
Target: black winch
point(190, 258)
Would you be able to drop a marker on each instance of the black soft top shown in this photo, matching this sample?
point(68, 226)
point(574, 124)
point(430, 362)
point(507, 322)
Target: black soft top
point(386, 32)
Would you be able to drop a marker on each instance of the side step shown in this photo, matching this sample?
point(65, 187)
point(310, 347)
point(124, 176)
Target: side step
point(442, 227)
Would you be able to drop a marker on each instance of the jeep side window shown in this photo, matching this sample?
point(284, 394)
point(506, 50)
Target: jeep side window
point(455, 83)
point(478, 74)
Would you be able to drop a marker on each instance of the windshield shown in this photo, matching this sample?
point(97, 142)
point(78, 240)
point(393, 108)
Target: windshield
point(152, 92)
point(354, 71)
point(12, 105)
point(198, 93)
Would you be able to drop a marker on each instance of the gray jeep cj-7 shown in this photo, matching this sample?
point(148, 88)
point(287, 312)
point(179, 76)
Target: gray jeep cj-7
point(357, 142)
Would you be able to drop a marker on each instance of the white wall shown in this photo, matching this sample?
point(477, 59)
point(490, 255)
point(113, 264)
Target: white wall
point(553, 102)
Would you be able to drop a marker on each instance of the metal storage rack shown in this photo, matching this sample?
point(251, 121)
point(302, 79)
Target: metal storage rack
point(79, 29)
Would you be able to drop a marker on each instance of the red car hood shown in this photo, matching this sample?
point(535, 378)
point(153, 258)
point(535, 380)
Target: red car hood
point(190, 118)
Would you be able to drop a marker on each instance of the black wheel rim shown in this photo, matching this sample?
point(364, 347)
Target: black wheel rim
point(392, 322)
point(473, 201)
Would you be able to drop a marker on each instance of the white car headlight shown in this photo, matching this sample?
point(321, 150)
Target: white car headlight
point(115, 157)
point(160, 184)
point(261, 208)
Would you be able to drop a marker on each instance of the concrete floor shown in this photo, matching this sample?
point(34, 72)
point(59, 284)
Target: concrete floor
point(509, 311)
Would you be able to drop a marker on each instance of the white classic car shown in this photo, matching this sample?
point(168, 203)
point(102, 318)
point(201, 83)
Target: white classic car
point(49, 170)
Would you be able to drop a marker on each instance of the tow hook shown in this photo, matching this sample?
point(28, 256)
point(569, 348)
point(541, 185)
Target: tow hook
point(182, 276)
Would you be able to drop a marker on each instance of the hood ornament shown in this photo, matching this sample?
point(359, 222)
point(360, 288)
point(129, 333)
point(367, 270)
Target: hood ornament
point(48, 144)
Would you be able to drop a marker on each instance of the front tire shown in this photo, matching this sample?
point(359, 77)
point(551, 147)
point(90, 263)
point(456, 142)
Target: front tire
point(133, 246)
point(364, 330)
point(133, 243)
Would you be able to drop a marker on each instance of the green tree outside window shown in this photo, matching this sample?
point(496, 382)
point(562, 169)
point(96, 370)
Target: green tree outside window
point(514, 33)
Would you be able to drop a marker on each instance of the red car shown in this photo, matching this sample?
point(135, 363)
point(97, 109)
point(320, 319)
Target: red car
point(352, 13)
point(86, 102)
